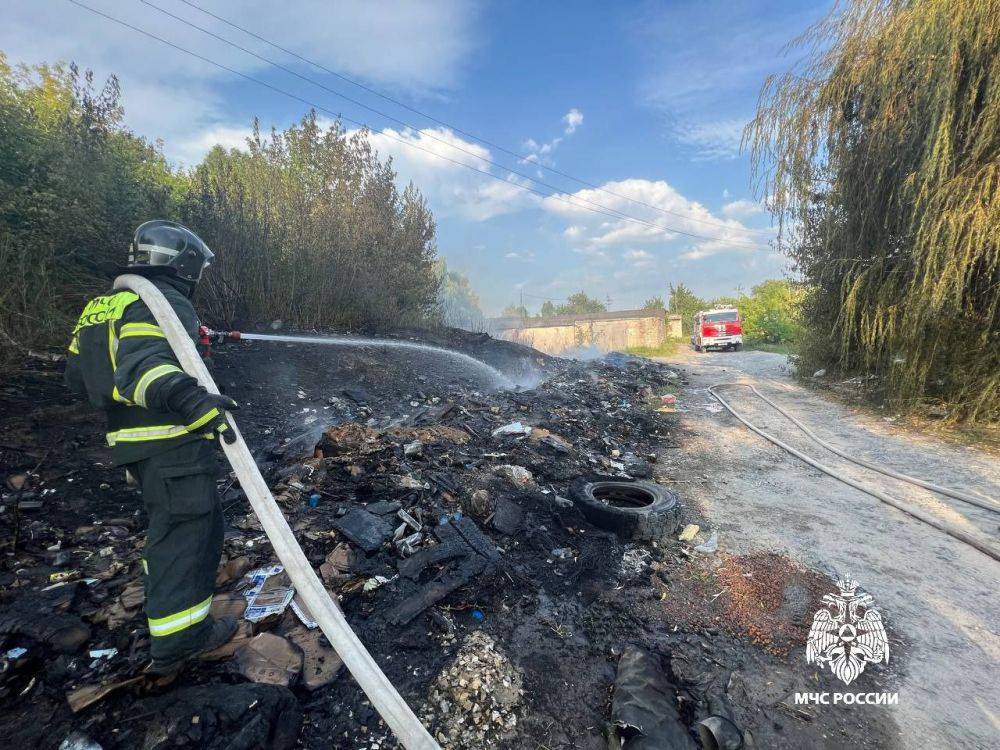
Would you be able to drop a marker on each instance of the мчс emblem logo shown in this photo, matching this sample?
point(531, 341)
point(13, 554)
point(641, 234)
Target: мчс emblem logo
point(843, 638)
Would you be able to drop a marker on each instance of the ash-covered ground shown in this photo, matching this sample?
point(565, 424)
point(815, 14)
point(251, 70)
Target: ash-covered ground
point(454, 547)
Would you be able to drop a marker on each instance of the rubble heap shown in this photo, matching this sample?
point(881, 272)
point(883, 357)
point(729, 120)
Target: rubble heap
point(474, 700)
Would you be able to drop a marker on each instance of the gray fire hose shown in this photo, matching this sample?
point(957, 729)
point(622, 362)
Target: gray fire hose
point(950, 529)
point(957, 494)
point(384, 697)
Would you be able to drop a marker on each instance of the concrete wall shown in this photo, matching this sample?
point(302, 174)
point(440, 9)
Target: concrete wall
point(606, 332)
point(674, 328)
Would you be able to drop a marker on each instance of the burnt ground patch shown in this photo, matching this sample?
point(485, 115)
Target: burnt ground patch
point(384, 433)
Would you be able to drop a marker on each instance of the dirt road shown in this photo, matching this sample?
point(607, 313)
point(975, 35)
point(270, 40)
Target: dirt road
point(937, 595)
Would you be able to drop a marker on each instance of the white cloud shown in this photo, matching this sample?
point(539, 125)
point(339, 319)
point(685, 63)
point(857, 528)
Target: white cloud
point(428, 159)
point(419, 47)
point(541, 153)
point(717, 139)
point(573, 120)
point(645, 200)
point(743, 208)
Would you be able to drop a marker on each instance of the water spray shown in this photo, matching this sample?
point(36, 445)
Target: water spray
point(496, 377)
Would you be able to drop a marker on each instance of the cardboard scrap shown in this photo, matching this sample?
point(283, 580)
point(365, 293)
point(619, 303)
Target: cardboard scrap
point(269, 659)
point(88, 695)
point(320, 663)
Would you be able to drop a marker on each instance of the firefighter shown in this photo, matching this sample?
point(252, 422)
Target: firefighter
point(162, 427)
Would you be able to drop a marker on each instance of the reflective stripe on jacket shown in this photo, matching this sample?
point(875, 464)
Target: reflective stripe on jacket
point(121, 360)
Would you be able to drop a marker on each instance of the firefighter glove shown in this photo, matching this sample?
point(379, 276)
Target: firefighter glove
point(203, 412)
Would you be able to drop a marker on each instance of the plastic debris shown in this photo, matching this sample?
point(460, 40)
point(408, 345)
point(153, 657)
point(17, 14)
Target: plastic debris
point(516, 474)
point(78, 741)
point(709, 547)
point(689, 532)
point(514, 428)
point(374, 582)
point(477, 615)
point(644, 711)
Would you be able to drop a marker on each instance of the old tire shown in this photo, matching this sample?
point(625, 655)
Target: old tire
point(643, 511)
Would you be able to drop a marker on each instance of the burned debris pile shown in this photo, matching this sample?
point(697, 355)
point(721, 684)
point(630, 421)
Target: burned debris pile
point(482, 545)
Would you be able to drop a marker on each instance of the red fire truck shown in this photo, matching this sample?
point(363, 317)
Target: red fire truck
point(719, 328)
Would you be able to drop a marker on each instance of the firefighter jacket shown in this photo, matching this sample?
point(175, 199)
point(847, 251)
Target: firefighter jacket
point(121, 360)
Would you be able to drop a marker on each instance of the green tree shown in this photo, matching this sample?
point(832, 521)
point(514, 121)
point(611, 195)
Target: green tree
point(654, 303)
point(458, 303)
point(548, 310)
point(516, 311)
point(306, 224)
point(682, 301)
point(771, 312)
point(74, 183)
point(880, 156)
point(580, 304)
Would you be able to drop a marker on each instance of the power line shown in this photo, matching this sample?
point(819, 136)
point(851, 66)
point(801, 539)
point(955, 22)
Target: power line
point(438, 121)
point(405, 124)
point(314, 105)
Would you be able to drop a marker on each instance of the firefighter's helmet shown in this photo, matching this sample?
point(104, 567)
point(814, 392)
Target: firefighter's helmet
point(171, 247)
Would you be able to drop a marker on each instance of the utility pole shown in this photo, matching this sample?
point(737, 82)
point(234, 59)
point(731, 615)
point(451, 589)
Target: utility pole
point(521, 307)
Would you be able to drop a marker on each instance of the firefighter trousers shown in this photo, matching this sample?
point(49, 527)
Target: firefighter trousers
point(183, 545)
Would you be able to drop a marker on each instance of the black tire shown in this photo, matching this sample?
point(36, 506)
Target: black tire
point(737, 347)
point(696, 347)
point(643, 511)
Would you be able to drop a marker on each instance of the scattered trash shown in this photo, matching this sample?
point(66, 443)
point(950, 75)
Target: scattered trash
point(320, 663)
point(374, 582)
point(514, 428)
point(365, 529)
point(516, 474)
point(88, 695)
point(270, 592)
point(819, 373)
point(414, 449)
point(689, 532)
point(314, 500)
point(477, 615)
point(78, 741)
point(237, 716)
point(507, 517)
point(709, 547)
point(668, 399)
point(15, 653)
point(644, 713)
point(269, 659)
point(475, 701)
point(103, 653)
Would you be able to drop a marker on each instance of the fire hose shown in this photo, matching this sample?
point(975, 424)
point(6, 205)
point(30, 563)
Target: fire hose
point(950, 529)
point(383, 695)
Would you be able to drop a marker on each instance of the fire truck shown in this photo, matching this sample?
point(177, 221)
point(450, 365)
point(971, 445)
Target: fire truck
point(718, 328)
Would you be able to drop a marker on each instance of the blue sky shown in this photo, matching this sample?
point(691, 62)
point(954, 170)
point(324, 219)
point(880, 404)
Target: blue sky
point(646, 100)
